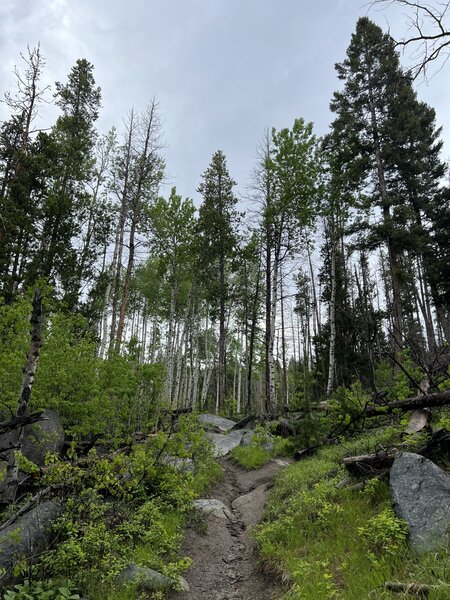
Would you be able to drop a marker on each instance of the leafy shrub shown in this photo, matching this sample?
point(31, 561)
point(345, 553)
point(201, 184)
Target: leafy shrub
point(39, 590)
point(384, 535)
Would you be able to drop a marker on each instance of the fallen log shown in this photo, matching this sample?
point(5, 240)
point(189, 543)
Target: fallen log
point(418, 589)
point(243, 422)
point(370, 464)
point(423, 401)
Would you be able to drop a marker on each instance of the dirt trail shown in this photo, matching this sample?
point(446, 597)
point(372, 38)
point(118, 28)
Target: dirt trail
point(225, 565)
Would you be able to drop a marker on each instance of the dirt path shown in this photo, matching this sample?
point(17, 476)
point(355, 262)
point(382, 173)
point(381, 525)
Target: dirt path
point(225, 566)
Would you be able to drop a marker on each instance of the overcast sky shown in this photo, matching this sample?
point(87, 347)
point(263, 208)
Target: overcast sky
point(222, 70)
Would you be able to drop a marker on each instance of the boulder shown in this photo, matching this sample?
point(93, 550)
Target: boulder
point(251, 505)
point(27, 537)
point(223, 444)
point(283, 428)
point(148, 580)
point(421, 496)
point(211, 506)
point(215, 423)
point(248, 437)
point(45, 436)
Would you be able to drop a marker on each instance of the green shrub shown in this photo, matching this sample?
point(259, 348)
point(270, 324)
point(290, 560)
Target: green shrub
point(39, 590)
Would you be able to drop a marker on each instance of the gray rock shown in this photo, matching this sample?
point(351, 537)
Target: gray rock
point(216, 423)
point(184, 465)
point(421, 496)
point(27, 537)
point(145, 578)
point(45, 436)
point(211, 506)
point(248, 440)
point(223, 444)
point(283, 428)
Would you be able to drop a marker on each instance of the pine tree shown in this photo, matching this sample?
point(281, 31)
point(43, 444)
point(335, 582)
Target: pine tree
point(217, 229)
point(67, 164)
point(384, 149)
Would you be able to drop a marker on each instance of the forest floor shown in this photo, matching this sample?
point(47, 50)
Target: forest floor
point(225, 565)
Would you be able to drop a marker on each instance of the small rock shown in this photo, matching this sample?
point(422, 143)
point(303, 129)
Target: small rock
point(147, 579)
point(211, 506)
point(421, 496)
point(183, 584)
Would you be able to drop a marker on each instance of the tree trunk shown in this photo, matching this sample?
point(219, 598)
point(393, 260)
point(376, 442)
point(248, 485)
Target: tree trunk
point(331, 357)
point(29, 373)
point(394, 262)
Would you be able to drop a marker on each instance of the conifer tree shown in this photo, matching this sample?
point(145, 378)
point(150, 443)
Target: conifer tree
point(386, 153)
point(217, 229)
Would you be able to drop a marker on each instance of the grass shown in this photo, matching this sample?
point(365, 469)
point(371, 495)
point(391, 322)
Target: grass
point(256, 454)
point(251, 457)
point(330, 543)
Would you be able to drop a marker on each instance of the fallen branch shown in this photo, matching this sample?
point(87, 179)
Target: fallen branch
point(21, 421)
point(34, 500)
point(423, 401)
point(243, 422)
point(378, 462)
point(368, 464)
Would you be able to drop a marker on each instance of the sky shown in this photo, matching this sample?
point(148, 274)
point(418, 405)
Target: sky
point(222, 70)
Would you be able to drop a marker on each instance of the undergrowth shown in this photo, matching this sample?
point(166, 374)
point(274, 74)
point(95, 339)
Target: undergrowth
point(330, 543)
point(122, 508)
point(262, 449)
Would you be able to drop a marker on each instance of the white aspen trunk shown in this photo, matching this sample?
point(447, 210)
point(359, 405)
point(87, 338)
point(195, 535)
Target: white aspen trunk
point(426, 309)
point(168, 386)
point(294, 345)
point(176, 366)
point(196, 376)
point(207, 372)
point(181, 347)
point(107, 298)
point(29, 374)
point(144, 334)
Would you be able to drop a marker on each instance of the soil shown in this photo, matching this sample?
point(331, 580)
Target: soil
point(225, 565)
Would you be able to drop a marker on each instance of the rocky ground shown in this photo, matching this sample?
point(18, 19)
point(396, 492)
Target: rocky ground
point(225, 565)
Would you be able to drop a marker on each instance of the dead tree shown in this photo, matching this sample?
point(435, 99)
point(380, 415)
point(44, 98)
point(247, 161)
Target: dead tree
point(430, 32)
point(29, 372)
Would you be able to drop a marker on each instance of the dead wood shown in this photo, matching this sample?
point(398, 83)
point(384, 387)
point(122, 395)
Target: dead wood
point(423, 401)
point(20, 421)
point(417, 589)
point(370, 464)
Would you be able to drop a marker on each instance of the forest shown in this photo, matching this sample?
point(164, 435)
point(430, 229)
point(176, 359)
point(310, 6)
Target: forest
point(317, 307)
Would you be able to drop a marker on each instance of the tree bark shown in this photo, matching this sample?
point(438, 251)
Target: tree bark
point(12, 473)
